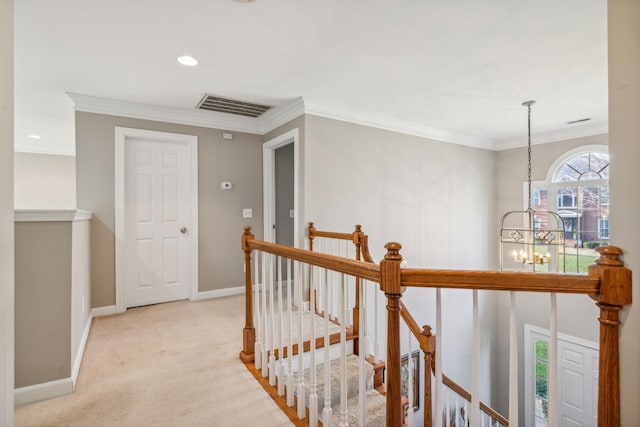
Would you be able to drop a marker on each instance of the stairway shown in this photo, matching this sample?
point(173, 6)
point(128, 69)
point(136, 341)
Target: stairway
point(375, 402)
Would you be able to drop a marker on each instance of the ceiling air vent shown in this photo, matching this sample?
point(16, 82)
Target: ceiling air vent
point(231, 106)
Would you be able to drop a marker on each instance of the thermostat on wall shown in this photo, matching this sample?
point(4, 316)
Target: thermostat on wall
point(226, 185)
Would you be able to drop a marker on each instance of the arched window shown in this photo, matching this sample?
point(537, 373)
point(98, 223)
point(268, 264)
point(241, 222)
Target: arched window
point(577, 188)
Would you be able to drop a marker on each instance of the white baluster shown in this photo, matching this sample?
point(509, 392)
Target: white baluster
point(362, 417)
point(256, 288)
point(447, 410)
point(376, 333)
point(343, 353)
point(265, 337)
point(513, 362)
point(272, 314)
point(456, 413)
point(475, 364)
point(301, 385)
point(552, 360)
point(411, 397)
point(313, 396)
point(438, 385)
point(326, 413)
point(280, 362)
point(290, 377)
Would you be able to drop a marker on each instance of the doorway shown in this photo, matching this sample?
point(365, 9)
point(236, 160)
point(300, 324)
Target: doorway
point(156, 217)
point(281, 189)
point(577, 379)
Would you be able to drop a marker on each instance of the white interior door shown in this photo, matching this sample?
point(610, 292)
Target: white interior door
point(157, 222)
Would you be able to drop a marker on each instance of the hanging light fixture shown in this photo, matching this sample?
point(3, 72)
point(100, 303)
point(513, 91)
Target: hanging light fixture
point(531, 240)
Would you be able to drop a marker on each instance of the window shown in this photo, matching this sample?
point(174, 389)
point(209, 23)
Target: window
point(578, 190)
point(604, 228)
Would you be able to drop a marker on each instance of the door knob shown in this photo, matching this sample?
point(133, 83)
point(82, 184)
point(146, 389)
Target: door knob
point(183, 230)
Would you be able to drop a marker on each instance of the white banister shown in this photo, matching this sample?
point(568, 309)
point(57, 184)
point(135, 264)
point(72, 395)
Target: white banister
point(376, 342)
point(513, 361)
point(326, 412)
point(257, 347)
point(552, 360)
point(438, 379)
point(272, 314)
point(410, 379)
point(265, 336)
point(313, 395)
point(290, 282)
point(301, 385)
point(343, 352)
point(475, 368)
point(362, 416)
point(281, 341)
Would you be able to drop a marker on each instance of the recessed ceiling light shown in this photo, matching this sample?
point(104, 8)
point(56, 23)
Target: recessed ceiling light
point(187, 60)
point(34, 136)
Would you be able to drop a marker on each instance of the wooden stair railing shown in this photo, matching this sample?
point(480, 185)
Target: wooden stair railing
point(608, 283)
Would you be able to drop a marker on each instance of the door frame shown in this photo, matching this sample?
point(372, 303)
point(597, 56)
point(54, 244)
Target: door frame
point(269, 184)
point(122, 135)
point(531, 332)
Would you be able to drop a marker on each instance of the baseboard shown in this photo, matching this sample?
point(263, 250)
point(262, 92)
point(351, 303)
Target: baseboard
point(107, 310)
point(75, 369)
point(43, 391)
point(219, 293)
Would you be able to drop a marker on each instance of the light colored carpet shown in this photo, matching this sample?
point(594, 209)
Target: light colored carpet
point(173, 364)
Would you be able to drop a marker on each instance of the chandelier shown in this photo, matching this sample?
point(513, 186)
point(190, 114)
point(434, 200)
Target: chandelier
point(531, 240)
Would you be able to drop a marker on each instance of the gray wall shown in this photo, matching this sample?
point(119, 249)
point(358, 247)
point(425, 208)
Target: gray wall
point(42, 302)
point(6, 214)
point(624, 144)
point(220, 212)
point(80, 285)
point(436, 199)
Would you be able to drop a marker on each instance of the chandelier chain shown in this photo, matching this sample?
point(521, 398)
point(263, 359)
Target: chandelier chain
point(528, 104)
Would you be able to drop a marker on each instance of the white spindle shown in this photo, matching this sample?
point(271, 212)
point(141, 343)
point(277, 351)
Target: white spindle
point(343, 352)
point(438, 379)
point(456, 413)
point(376, 340)
point(301, 386)
point(552, 360)
point(281, 342)
point(257, 347)
point(410, 396)
point(513, 362)
point(362, 417)
point(272, 314)
point(475, 365)
point(447, 410)
point(265, 328)
point(290, 393)
point(326, 412)
point(313, 396)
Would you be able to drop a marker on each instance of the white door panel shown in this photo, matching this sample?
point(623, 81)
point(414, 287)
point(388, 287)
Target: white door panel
point(157, 206)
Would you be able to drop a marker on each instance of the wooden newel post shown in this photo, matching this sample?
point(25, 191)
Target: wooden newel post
point(249, 331)
point(615, 292)
point(390, 285)
point(357, 241)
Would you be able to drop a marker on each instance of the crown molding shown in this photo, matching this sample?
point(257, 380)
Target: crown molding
point(393, 125)
point(207, 119)
point(46, 215)
point(281, 115)
point(579, 131)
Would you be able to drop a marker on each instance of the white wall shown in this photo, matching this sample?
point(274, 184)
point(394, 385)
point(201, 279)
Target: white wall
point(436, 199)
point(6, 213)
point(624, 145)
point(44, 181)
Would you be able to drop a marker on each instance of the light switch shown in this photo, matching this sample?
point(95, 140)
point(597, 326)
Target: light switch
point(291, 213)
point(247, 213)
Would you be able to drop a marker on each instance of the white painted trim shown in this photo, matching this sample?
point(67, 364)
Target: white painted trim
point(219, 293)
point(281, 115)
point(568, 154)
point(121, 136)
point(77, 362)
point(107, 310)
point(47, 215)
point(269, 184)
point(580, 131)
point(43, 391)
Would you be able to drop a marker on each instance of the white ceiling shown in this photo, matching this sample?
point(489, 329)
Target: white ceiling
point(457, 68)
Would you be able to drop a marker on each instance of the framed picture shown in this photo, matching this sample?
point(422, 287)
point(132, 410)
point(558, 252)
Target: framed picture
point(415, 375)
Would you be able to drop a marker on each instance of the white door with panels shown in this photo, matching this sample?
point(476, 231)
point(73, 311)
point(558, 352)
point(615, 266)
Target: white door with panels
point(157, 222)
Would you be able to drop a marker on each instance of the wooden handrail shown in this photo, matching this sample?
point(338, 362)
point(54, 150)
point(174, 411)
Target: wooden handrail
point(364, 270)
point(461, 391)
point(500, 281)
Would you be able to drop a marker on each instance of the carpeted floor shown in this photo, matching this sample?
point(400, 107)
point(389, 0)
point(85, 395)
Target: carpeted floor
point(173, 364)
